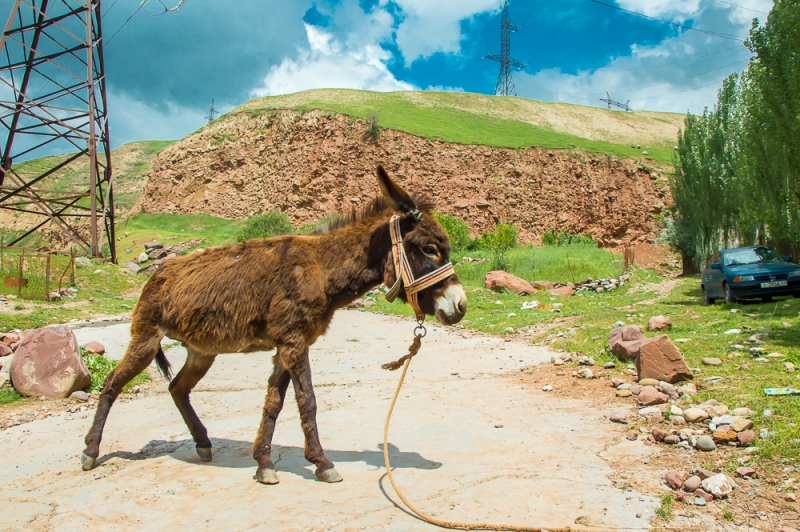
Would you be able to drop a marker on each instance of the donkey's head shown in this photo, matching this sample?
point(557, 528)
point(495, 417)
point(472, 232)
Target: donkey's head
point(427, 250)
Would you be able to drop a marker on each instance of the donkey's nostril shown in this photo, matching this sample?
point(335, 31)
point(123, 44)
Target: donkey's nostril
point(462, 307)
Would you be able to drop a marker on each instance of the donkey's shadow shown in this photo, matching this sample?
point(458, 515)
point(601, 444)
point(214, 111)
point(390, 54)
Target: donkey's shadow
point(287, 458)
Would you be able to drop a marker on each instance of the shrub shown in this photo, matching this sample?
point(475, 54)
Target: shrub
point(563, 238)
point(373, 125)
point(457, 230)
point(499, 241)
point(273, 223)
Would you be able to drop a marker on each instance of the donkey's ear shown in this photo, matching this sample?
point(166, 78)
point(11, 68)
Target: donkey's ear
point(397, 198)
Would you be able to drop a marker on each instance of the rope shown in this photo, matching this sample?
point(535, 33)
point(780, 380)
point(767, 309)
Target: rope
point(405, 361)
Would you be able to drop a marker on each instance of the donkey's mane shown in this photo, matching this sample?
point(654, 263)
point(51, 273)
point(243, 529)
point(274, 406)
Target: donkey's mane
point(374, 207)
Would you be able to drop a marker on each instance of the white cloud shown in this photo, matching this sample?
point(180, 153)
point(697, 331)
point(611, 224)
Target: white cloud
point(658, 8)
point(432, 26)
point(132, 119)
point(330, 63)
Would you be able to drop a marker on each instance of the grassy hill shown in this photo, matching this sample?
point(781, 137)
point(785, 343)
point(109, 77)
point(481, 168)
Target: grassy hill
point(508, 122)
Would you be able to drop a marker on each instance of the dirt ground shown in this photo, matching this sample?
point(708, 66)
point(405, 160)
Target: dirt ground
point(474, 438)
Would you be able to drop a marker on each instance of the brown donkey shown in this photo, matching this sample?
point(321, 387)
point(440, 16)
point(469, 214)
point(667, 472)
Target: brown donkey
point(278, 293)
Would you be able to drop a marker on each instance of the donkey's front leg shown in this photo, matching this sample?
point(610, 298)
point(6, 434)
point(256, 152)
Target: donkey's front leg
point(262, 448)
point(295, 358)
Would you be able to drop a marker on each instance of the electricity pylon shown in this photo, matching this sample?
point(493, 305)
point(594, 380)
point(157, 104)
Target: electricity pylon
point(505, 81)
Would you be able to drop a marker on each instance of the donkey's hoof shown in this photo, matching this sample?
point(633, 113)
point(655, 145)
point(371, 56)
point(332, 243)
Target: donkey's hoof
point(267, 475)
point(204, 453)
point(87, 462)
point(329, 475)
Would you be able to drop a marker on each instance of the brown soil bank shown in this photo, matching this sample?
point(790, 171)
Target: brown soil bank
point(313, 164)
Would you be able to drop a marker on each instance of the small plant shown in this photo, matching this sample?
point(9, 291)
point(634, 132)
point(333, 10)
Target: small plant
point(9, 396)
point(19, 306)
point(373, 125)
point(728, 514)
point(665, 510)
point(457, 230)
point(563, 238)
point(499, 241)
point(99, 367)
point(267, 225)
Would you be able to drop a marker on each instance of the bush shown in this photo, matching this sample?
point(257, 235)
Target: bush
point(457, 231)
point(499, 241)
point(554, 238)
point(373, 125)
point(274, 223)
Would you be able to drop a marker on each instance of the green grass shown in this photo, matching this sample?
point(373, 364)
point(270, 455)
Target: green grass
point(100, 366)
point(443, 116)
point(665, 510)
point(9, 396)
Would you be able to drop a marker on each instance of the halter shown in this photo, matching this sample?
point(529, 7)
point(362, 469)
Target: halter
point(404, 275)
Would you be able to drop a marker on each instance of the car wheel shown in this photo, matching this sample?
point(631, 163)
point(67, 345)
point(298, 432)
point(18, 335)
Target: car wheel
point(729, 295)
point(706, 299)
point(766, 299)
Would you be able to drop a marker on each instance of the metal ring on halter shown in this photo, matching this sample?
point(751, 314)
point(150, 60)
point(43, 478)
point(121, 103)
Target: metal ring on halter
point(424, 330)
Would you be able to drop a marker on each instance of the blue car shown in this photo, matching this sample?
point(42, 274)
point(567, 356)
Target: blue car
point(747, 273)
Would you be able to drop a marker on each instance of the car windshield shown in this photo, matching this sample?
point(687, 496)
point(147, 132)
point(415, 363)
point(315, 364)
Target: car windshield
point(750, 256)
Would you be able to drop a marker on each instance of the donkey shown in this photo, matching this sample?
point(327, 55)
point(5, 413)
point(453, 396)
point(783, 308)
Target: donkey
point(281, 293)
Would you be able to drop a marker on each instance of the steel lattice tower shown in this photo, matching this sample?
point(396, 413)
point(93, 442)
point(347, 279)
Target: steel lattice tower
point(505, 81)
point(53, 100)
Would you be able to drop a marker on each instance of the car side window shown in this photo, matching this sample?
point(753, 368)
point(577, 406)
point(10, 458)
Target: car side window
point(714, 258)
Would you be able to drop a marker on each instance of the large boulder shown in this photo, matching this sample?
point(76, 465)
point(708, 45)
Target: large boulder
point(660, 359)
point(659, 323)
point(625, 342)
point(498, 279)
point(48, 362)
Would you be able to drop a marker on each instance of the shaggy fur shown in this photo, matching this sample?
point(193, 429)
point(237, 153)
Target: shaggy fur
point(271, 293)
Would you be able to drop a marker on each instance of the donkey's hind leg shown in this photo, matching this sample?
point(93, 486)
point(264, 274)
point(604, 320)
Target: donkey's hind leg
point(197, 365)
point(262, 447)
point(141, 351)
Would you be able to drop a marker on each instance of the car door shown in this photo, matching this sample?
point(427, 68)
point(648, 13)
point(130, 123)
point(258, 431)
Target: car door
point(713, 283)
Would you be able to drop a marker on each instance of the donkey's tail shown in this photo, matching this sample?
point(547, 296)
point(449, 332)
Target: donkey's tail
point(163, 364)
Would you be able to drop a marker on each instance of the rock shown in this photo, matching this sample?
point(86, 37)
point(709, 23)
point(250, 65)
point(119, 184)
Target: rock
point(659, 323)
point(547, 388)
point(672, 439)
point(733, 331)
point(742, 412)
point(624, 386)
point(673, 479)
point(693, 415)
point(746, 437)
point(660, 359)
point(153, 245)
point(786, 325)
point(724, 436)
point(616, 381)
point(648, 382)
point(745, 472)
point(541, 285)
point(632, 435)
point(48, 363)
point(586, 374)
point(5, 350)
point(741, 424)
point(692, 483)
point(563, 291)
point(619, 415)
point(80, 395)
point(657, 434)
point(557, 361)
point(719, 486)
point(649, 396)
point(705, 444)
point(100, 272)
point(624, 393)
point(94, 348)
point(675, 410)
point(703, 495)
point(626, 341)
point(689, 389)
point(699, 501)
point(677, 420)
point(790, 497)
point(498, 280)
point(703, 473)
point(710, 361)
point(142, 258)
point(648, 411)
point(83, 262)
point(636, 389)
point(609, 365)
point(586, 361)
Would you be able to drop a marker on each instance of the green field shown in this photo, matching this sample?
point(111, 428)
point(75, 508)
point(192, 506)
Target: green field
point(467, 118)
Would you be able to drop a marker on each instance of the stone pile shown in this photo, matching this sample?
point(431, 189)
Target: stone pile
point(498, 280)
point(606, 284)
point(158, 253)
point(704, 485)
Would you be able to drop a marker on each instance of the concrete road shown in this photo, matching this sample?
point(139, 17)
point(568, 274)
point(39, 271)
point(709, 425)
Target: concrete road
point(469, 441)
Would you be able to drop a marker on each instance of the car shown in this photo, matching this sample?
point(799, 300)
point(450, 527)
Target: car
point(748, 273)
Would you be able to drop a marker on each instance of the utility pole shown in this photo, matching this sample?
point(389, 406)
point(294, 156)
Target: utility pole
point(212, 112)
point(610, 102)
point(52, 68)
point(505, 82)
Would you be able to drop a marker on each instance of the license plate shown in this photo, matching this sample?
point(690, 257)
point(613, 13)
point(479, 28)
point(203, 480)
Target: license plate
point(773, 284)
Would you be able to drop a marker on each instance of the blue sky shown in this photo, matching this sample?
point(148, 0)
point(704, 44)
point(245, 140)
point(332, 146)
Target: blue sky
point(164, 68)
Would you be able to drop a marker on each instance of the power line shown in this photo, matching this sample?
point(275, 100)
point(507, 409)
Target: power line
point(559, 31)
point(742, 7)
point(673, 63)
point(123, 24)
point(671, 23)
point(679, 92)
point(687, 77)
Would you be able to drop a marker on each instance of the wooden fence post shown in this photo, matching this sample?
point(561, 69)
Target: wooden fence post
point(47, 279)
point(19, 285)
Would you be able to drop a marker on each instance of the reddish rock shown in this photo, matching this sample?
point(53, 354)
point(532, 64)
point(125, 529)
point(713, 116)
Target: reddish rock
point(657, 434)
point(746, 438)
point(9, 338)
point(745, 472)
point(542, 285)
point(94, 348)
point(49, 363)
point(649, 396)
point(5, 350)
point(703, 473)
point(498, 279)
point(673, 478)
point(724, 436)
point(660, 359)
point(672, 439)
point(626, 341)
point(659, 323)
point(563, 291)
point(699, 492)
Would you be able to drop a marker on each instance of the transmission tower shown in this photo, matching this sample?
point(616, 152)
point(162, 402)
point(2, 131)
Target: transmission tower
point(624, 106)
point(53, 100)
point(505, 82)
point(212, 112)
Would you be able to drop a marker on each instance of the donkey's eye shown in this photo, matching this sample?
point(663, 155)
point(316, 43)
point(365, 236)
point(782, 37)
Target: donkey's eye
point(430, 250)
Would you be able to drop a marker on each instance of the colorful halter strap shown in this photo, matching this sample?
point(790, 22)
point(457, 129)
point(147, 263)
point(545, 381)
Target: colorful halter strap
point(405, 277)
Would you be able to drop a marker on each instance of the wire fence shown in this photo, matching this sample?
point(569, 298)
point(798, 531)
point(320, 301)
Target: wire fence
point(36, 274)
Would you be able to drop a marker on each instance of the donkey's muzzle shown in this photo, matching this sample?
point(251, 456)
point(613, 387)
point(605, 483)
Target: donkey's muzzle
point(451, 305)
